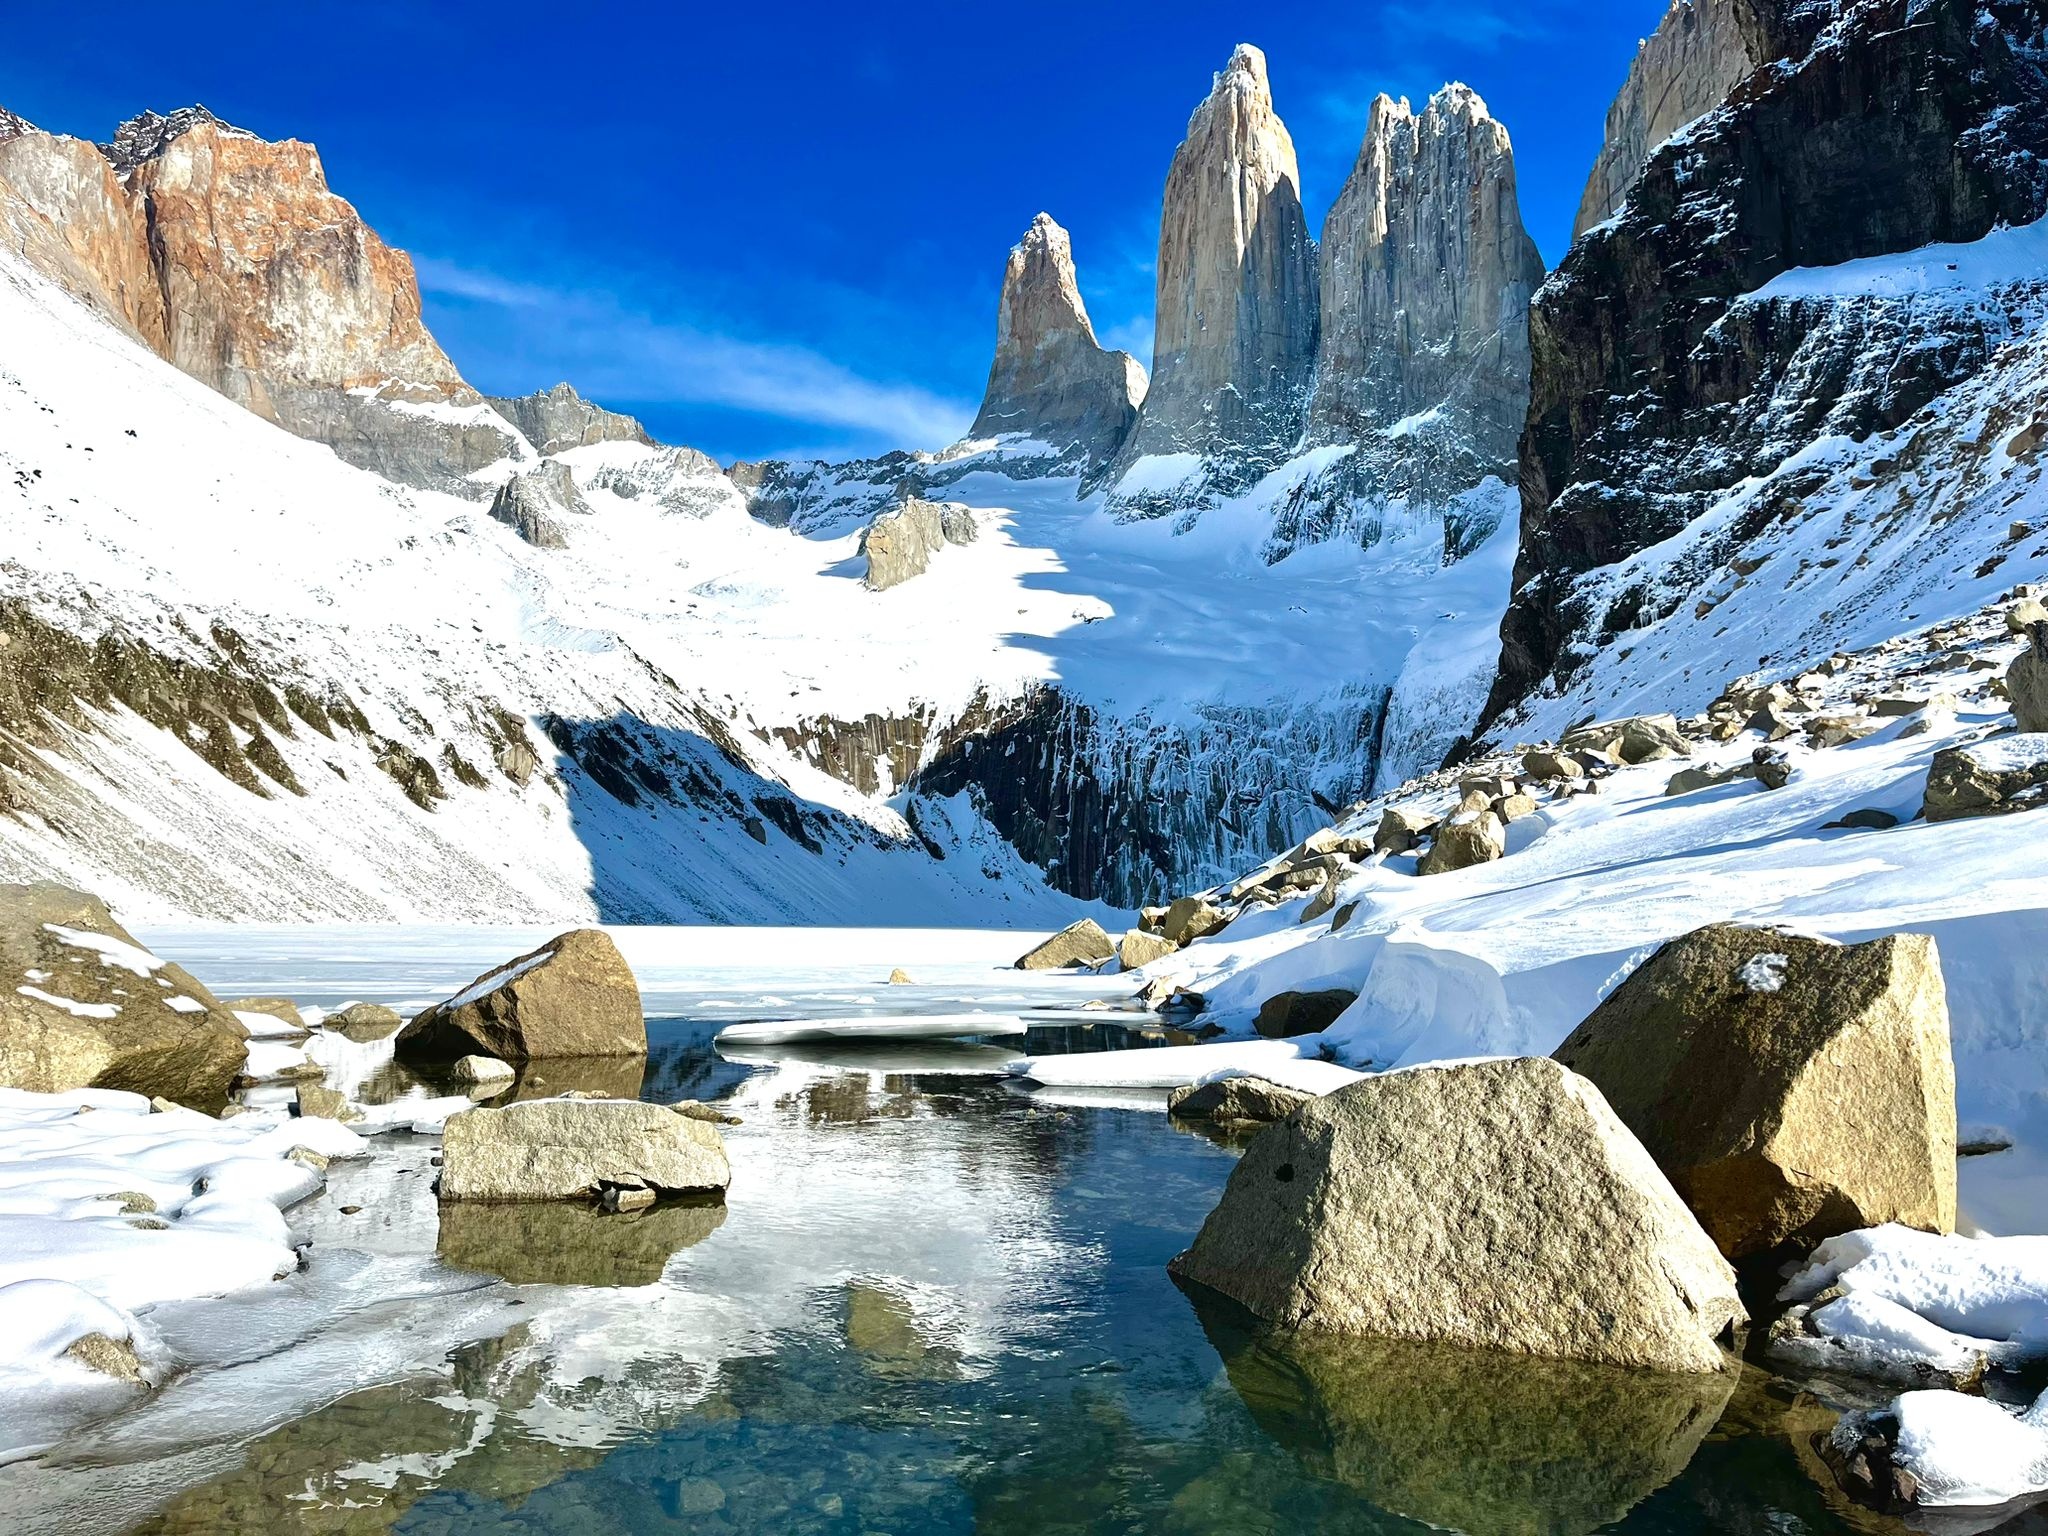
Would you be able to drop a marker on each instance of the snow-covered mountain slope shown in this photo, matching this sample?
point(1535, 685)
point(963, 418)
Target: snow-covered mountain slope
point(1728, 370)
point(245, 680)
point(1849, 538)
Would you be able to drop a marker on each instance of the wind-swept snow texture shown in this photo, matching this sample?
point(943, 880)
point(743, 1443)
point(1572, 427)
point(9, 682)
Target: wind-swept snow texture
point(246, 681)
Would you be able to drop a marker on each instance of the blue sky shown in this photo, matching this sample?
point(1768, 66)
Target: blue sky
point(776, 228)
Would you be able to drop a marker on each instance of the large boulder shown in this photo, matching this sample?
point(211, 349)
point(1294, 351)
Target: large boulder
point(1638, 739)
point(1288, 1014)
point(1987, 778)
point(1137, 948)
point(1494, 1203)
point(2026, 680)
point(1791, 1088)
point(1473, 836)
point(1082, 943)
point(1402, 828)
point(900, 543)
point(82, 1005)
point(575, 1149)
point(1191, 918)
point(574, 996)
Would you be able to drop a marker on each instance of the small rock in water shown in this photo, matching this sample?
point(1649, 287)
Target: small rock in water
point(900, 978)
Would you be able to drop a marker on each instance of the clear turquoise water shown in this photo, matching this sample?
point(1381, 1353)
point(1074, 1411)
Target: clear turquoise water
point(943, 1307)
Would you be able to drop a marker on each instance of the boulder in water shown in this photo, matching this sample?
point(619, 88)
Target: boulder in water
point(574, 996)
point(576, 1149)
point(1497, 1203)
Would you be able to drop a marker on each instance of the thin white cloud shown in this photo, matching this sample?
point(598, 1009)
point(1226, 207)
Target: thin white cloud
point(608, 351)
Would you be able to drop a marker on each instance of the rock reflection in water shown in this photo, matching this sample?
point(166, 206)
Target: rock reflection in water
point(1478, 1441)
point(569, 1243)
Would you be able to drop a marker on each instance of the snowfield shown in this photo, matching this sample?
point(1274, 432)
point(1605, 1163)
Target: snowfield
point(673, 671)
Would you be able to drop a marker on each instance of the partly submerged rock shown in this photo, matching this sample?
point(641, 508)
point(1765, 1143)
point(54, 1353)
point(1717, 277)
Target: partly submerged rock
point(1791, 1088)
point(574, 1149)
point(364, 1021)
point(1303, 1013)
point(82, 1005)
point(316, 1101)
point(1496, 1203)
point(1236, 1099)
point(1082, 943)
point(574, 996)
point(481, 1069)
point(1471, 1440)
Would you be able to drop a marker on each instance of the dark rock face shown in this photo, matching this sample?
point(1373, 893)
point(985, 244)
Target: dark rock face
point(1131, 811)
point(555, 420)
point(1051, 380)
point(1888, 125)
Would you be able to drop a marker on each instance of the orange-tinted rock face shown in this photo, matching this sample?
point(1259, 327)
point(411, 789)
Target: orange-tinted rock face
point(230, 257)
point(270, 278)
point(62, 206)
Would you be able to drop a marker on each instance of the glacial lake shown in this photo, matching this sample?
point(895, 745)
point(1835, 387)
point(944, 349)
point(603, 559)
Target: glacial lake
point(934, 1301)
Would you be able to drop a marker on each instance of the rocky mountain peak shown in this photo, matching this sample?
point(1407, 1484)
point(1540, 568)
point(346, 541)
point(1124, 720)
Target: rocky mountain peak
point(1237, 303)
point(13, 125)
point(146, 135)
point(559, 419)
point(1051, 380)
point(1426, 278)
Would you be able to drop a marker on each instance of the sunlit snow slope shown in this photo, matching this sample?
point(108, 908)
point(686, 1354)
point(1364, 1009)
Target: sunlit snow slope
point(244, 680)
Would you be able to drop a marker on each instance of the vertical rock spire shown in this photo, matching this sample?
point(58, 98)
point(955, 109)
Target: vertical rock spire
point(1051, 380)
point(1236, 337)
point(1426, 278)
